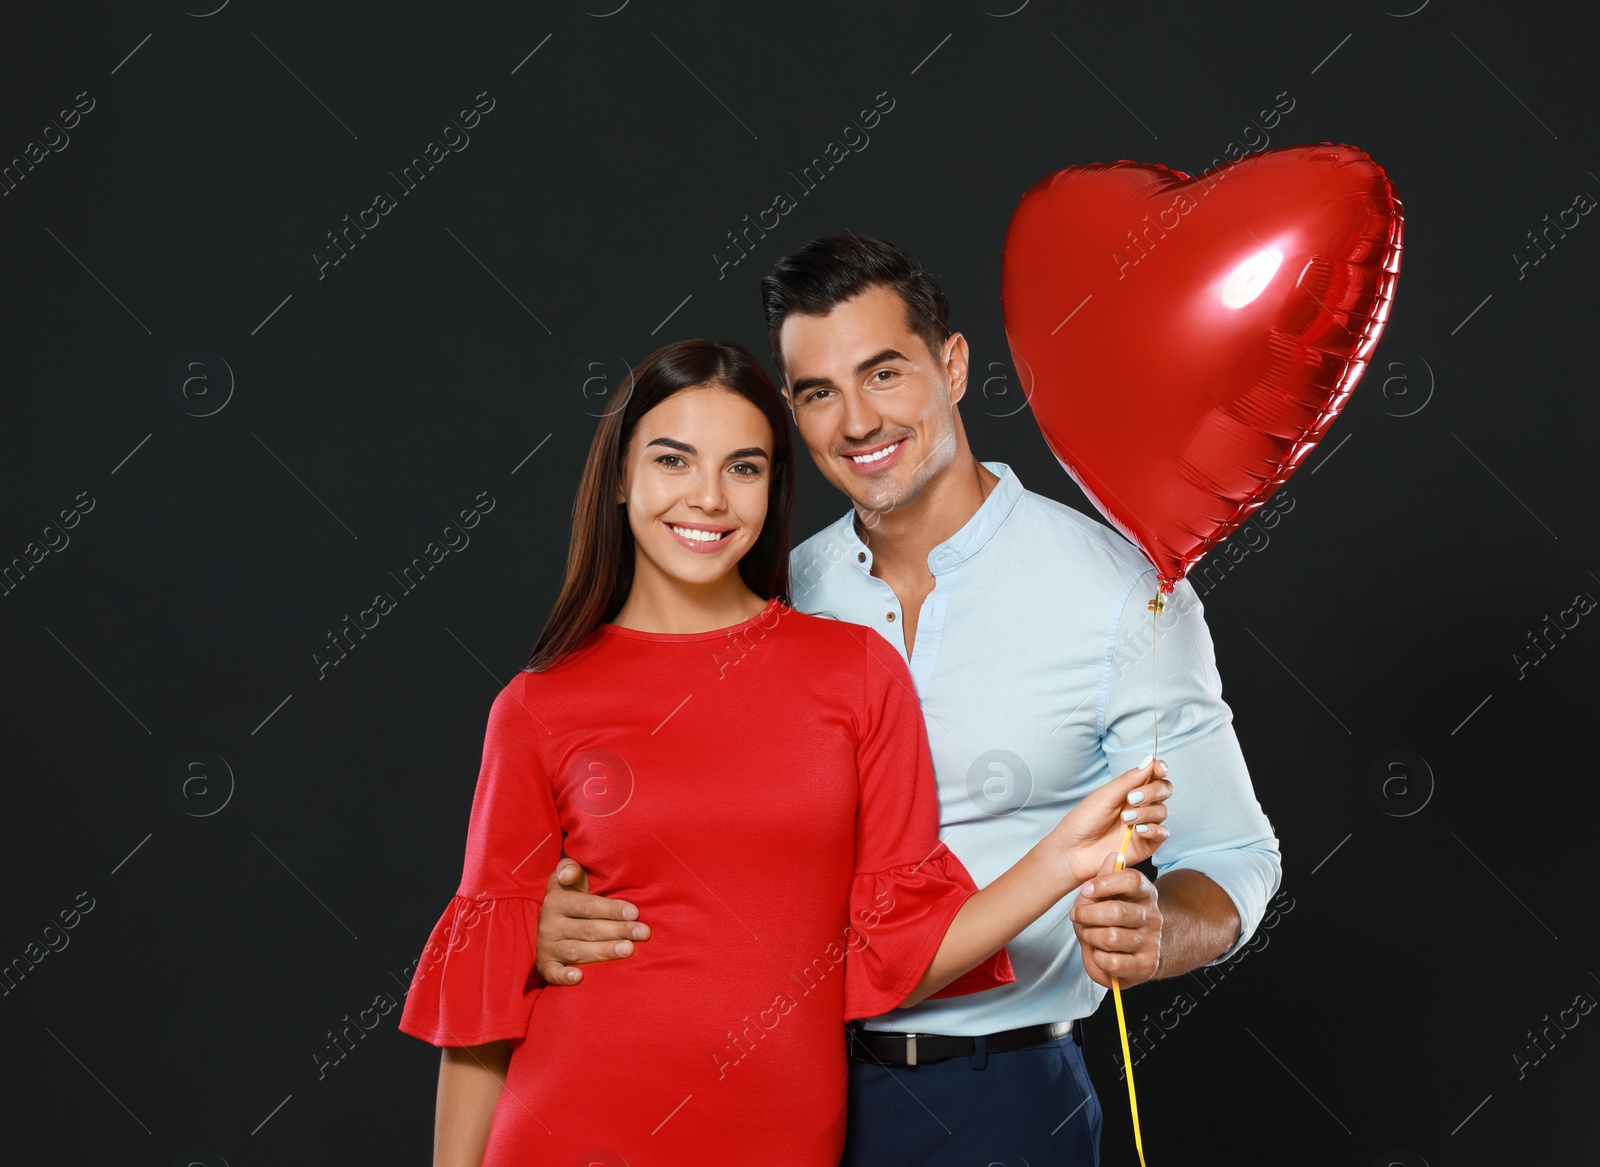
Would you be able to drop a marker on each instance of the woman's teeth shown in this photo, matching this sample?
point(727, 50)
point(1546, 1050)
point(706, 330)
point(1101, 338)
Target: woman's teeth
point(699, 536)
point(876, 455)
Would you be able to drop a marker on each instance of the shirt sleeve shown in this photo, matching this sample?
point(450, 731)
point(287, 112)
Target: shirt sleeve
point(907, 884)
point(476, 981)
point(1216, 825)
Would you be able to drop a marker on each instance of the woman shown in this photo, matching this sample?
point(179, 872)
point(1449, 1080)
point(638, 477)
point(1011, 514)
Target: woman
point(755, 779)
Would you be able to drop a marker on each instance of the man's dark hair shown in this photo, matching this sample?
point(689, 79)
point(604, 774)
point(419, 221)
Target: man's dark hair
point(825, 272)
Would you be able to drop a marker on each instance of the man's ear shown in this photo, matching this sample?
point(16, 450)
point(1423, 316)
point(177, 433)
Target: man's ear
point(955, 365)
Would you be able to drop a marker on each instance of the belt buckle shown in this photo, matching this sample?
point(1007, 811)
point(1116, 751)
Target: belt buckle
point(911, 1049)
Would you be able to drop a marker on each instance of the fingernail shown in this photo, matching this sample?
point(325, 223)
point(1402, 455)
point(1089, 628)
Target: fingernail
point(1136, 797)
point(623, 948)
point(1145, 761)
point(1129, 815)
point(640, 932)
point(1161, 768)
point(1143, 828)
point(630, 913)
point(1088, 888)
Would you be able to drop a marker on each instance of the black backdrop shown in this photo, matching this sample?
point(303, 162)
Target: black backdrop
point(220, 443)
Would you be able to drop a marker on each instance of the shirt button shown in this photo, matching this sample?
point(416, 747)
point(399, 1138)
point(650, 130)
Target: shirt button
point(861, 556)
point(889, 616)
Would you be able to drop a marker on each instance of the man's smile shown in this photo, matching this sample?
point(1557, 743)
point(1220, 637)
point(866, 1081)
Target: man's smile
point(866, 461)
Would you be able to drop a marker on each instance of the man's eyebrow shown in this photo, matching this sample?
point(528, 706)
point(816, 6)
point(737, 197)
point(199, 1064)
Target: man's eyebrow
point(685, 447)
point(887, 354)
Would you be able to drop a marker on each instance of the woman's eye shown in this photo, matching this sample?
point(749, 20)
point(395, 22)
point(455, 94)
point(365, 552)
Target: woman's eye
point(744, 467)
point(664, 457)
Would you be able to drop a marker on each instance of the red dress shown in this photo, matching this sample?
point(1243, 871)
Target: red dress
point(765, 795)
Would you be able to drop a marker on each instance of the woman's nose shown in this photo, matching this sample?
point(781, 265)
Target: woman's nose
point(707, 493)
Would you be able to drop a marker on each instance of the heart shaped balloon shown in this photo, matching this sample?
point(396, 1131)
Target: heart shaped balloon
point(1185, 341)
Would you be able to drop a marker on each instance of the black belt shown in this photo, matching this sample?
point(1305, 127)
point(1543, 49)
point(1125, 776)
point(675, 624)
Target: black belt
point(911, 1049)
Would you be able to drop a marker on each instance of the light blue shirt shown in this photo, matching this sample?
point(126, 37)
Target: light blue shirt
point(1033, 662)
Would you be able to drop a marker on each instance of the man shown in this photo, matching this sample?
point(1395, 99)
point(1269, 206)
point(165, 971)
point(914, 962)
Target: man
point(1027, 633)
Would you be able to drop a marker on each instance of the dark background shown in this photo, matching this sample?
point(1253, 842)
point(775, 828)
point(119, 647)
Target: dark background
point(332, 427)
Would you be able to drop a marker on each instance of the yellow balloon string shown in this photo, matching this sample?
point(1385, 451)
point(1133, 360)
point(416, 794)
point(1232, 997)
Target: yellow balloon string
point(1156, 607)
point(1122, 1027)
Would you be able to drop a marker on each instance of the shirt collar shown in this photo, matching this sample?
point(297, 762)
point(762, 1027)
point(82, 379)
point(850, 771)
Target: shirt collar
point(977, 530)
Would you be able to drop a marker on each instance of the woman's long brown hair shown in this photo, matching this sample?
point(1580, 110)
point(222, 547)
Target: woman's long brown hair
point(600, 556)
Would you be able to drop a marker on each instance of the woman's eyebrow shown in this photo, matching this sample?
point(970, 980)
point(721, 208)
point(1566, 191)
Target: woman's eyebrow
point(685, 447)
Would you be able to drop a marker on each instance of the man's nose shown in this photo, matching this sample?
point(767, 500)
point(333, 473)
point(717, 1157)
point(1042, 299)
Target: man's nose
point(860, 417)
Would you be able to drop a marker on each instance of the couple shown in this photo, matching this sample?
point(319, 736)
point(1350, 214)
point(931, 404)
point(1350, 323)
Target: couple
point(726, 738)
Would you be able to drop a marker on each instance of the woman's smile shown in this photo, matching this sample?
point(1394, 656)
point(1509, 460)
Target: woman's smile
point(701, 538)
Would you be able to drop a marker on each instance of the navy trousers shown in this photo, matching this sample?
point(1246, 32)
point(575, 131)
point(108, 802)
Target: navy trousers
point(1023, 1108)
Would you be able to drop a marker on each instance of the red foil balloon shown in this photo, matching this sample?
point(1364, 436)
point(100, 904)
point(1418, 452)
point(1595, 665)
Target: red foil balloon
point(1185, 342)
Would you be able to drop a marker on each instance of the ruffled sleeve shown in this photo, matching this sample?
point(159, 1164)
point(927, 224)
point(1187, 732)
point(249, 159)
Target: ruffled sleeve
point(475, 981)
point(907, 885)
point(899, 917)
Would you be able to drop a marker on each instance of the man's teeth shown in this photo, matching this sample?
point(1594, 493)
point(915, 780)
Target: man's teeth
point(698, 536)
point(864, 459)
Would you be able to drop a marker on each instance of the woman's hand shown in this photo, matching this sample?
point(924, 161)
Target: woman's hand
point(1055, 866)
point(1094, 827)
